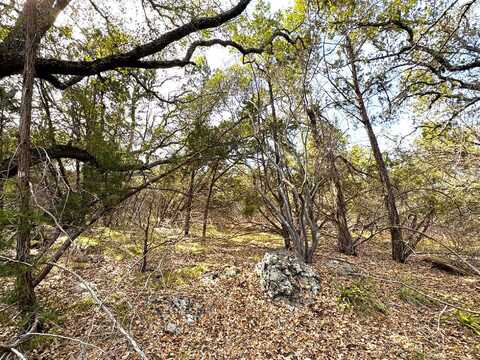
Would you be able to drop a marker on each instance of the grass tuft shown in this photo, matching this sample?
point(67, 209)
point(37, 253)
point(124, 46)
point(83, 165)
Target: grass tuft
point(360, 295)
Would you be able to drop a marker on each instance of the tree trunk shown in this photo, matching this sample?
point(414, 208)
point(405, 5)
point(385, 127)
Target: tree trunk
point(2, 141)
point(286, 235)
point(2, 195)
point(143, 267)
point(209, 198)
point(24, 282)
point(399, 248)
point(344, 238)
point(188, 208)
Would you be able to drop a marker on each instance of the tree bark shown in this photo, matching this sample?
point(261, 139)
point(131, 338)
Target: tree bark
point(11, 61)
point(188, 208)
point(209, 198)
point(24, 282)
point(344, 238)
point(399, 248)
point(2, 141)
point(143, 267)
point(286, 234)
point(345, 241)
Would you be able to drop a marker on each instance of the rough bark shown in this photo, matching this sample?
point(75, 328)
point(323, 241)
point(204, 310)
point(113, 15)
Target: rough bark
point(285, 233)
point(399, 247)
point(24, 282)
point(345, 242)
point(9, 166)
point(146, 235)
point(12, 62)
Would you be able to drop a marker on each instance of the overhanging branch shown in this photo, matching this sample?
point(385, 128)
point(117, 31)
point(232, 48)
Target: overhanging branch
point(11, 59)
point(9, 167)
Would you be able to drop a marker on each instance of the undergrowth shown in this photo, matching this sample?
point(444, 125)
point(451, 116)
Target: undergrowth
point(468, 320)
point(361, 296)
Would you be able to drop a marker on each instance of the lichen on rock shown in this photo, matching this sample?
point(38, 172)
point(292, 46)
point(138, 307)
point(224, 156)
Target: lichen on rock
point(283, 276)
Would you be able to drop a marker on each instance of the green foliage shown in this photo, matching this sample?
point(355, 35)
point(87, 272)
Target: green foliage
point(7, 269)
point(122, 312)
point(9, 298)
point(360, 295)
point(418, 355)
point(7, 217)
point(182, 276)
point(468, 320)
point(84, 305)
point(414, 297)
point(251, 205)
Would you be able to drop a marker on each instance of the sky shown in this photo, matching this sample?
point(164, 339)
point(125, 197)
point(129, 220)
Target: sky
point(399, 133)
point(219, 57)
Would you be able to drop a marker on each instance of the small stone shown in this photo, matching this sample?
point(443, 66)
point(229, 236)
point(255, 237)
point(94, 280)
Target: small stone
point(80, 288)
point(189, 309)
point(341, 268)
point(231, 271)
point(210, 278)
point(172, 328)
point(181, 304)
point(190, 319)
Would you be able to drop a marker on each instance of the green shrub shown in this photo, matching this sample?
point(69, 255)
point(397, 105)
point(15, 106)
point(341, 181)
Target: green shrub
point(418, 355)
point(7, 269)
point(181, 276)
point(414, 297)
point(469, 321)
point(360, 295)
point(122, 312)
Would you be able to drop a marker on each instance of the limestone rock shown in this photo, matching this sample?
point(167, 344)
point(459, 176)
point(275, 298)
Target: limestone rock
point(231, 271)
point(187, 308)
point(341, 268)
point(172, 328)
point(282, 275)
point(211, 277)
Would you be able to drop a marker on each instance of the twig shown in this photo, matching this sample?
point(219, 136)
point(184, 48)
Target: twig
point(23, 338)
point(440, 317)
point(468, 264)
point(364, 273)
point(18, 353)
point(71, 339)
point(107, 311)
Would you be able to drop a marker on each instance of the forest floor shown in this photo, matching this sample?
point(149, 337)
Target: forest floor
point(228, 317)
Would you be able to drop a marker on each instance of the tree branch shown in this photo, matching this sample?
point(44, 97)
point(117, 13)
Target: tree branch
point(11, 59)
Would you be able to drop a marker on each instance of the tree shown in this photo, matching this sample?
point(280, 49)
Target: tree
point(18, 53)
point(400, 251)
point(325, 137)
point(24, 283)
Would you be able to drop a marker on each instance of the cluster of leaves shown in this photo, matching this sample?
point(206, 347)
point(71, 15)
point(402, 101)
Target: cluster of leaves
point(470, 321)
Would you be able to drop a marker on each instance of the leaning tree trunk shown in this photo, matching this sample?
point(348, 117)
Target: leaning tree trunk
point(188, 208)
point(399, 247)
point(24, 282)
